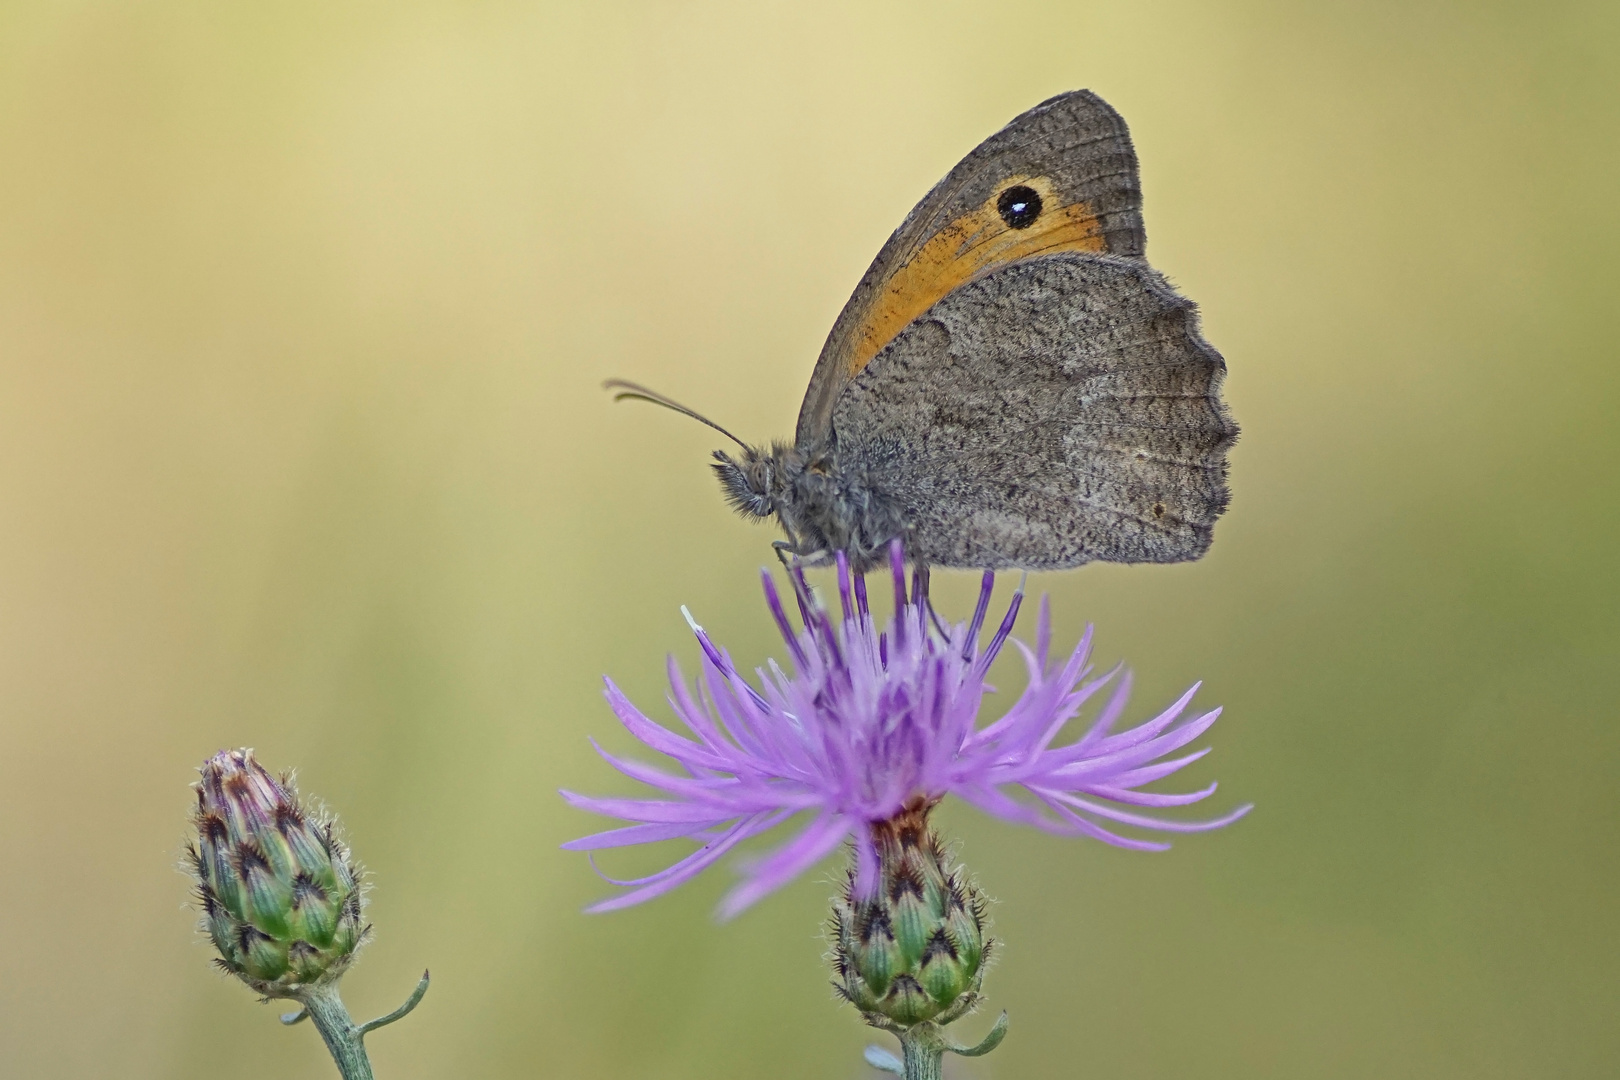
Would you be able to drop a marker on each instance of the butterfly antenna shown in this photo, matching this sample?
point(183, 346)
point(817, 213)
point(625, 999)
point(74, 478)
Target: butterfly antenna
point(637, 392)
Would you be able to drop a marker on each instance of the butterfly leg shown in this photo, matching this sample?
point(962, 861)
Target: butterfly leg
point(814, 557)
point(790, 546)
point(791, 556)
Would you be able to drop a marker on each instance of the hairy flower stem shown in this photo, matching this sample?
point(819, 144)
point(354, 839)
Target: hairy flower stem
point(923, 1048)
point(922, 1053)
point(343, 1039)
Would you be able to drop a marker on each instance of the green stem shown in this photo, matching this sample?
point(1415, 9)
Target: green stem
point(343, 1039)
point(923, 1048)
point(922, 1052)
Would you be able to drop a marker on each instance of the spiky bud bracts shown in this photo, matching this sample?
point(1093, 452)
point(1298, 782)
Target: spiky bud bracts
point(915, 948)
point(279, 893)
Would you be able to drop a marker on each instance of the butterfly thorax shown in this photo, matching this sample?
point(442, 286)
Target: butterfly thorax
point(821, 507)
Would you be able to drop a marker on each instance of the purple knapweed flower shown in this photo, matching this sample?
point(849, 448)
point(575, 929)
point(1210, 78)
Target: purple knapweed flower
point(869, 723)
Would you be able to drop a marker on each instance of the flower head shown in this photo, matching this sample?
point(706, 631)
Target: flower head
point(279, 894)
point(872, 720)
point(916, 948)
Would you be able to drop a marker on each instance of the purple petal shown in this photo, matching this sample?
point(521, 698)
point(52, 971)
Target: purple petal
point(693, 787)
point(658, 811)
point(1138, 755)
point(715, 687)
point(866, 865)
point(657, 736)
point(989, 655)
point(1078, 824)
point(693, 715)
point(689, 867)
point(632, 834)
point(1149, 773)
point(999, 805)
point(1142, 732)
point(818, 839)
point(1111, 712)
point(1140, 820)
point(897, 569)
point(1043, 633)
point(1146, 798)
point(846, 598)
point(774, 602)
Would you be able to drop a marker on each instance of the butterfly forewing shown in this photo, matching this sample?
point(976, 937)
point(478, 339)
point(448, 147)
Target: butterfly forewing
point(1060, 177)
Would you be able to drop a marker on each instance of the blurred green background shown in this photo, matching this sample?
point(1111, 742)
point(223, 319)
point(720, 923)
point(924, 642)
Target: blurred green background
point(304, 309)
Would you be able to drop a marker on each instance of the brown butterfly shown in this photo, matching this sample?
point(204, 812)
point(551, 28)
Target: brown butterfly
point(1011, 385)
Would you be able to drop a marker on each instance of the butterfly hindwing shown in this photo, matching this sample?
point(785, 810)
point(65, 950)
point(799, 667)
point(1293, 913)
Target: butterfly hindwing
point(1055, 411)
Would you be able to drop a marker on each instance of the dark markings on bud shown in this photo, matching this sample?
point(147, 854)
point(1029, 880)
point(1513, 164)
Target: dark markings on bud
point(910, 834)
point(939, 945)
point(247, 858)
point(248, 935)
point(304, 890)
point(872, 922)
point(211, 827)
point(304, 960)
point(236, 787)
point(288, 818)
point(906, 880)
point(907, 1001)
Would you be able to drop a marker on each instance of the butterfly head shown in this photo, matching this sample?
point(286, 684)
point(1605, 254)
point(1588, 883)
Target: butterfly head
point(756, 484)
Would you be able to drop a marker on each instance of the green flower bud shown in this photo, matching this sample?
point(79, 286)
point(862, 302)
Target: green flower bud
point(279, 895)
point(916, 949)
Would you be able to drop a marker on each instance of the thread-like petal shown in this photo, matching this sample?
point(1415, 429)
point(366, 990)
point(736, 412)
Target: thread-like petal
point(633, 834)
point(689, 867)
point(871, 718)
point(817, 841)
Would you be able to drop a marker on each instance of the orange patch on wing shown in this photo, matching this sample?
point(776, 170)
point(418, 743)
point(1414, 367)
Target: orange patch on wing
point(971, 245)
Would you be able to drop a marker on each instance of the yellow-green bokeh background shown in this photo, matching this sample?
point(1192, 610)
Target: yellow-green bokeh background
point(303, 312)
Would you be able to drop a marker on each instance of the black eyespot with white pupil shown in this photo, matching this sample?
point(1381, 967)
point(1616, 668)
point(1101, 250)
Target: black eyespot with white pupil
point(1019, 206)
